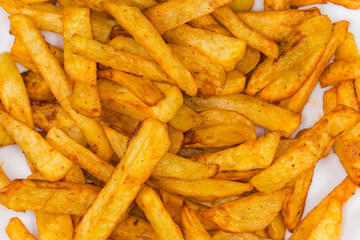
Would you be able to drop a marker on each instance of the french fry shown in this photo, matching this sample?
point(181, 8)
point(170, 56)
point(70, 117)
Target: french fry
point(4, 180)
point(130, 45)
point(199, 189)
point(54, 226)
point(303, 3)
point(276, 228)
point(20, 54)
point(101, 27)
point(36, 87)
point(339, 71)
point(16, 230)
point(220, 235)
point(297, 102)
point(149, 143)
point(170, 14)
point(219, 201)
point(259, 112)
point(147, 36)
point(118, 141)
point(58, 197)
point(117, 98)
point(221, 48)
point(347, 50)
point(185, 119)
point(248, 214)
point(82, 71)
point(208, 22)
point(191, 225)
point(277, 5)
point(346, 95)
point(49, 162)
point(253, 154)
point(237, 176)
point(329, 100)
point(75, 175)
point(176, 139)
point(240, 30)
point(98, 5)
point(120, 122)
point(341, 193)
point(310, 146)
point(155, 212)
point(249, 61)
point(142, 87)
point(273, 80)
point(241, 5)
point(351, 4)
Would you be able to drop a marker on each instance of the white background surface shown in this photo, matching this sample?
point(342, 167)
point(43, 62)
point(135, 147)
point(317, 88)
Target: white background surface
point(328, 172)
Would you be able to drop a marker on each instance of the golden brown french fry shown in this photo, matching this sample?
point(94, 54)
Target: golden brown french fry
point(49, 162)
point(297, 102)
point(118, 141)
point(142, 87)
point(170, 14)
point(293, 208)
point(119, 99)
point(20, 54)
point(276, 228)
point(273, 77)
point(185, 119)
point(241, 5)
point(120, 122)
point(54, 226)
point(199, 189)
point(16, 230)
point(4, 180)
point(58, 197)
point(155, 212)
point(329, 100)
point(240, 30)
point(221, 48)
point(259, 112)
point(82, 71)
point(191, 225)
point(176, 138)
point(147, 36)
point(339, 71)
point(237, 176)
point(149, 143)
point(98, 5)
point(249, 61)
point(75, 175)
point(347, 50)
point(130, 45)
point(341, 193)
point(220, 235)
point(310, 146)
point(303, 3)
point(248, 214)
point(351, 4)
point(36, 87)
point(277, 5)
point(346, 95)
point(253, 154)
point(208, 22)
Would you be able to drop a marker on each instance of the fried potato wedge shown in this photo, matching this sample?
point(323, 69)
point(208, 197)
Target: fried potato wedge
point(249, 61)
point(339, 71)
point(347, 50)
point(276, 228)
point(37, 88)
point(173, 13)
point(248, 214)
point(277, 5)
point(329, 100)
point(208, 22)
point(49, 162)
point(16, 230)
point(97, 5)
point(303, 3)
point(237, 176)
point(221, 48)
point(176, 138)
point(120, 122)
point(191, 225)
point(282, 78)
point(240, 30)
point(341, 193)
point(199, 189)
point(118, 141)
point(297, 102)
point(253, 154)
point(346, 95)
point(186, 119)
point(148, 37)
point(221, 128)
point(4, 180)
point(259, 112)
point(54, 226)
point(311, 146)
point(146, 147)
point(118, 98)
point(351, 4)
point(241, 5)
point(155, 212)
point(220, 235)
point(58, 197)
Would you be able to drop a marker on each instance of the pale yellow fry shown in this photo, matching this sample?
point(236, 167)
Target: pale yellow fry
point(146, 34)
point(199, 189)
point(240, 30)
point(4, 180)
point(49, 162)
point(191, 225)
point(99, 6)
point(147, 146)
point(16, 230)
point(173, 13)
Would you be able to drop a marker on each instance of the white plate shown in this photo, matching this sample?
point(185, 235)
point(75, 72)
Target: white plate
point(328, 172)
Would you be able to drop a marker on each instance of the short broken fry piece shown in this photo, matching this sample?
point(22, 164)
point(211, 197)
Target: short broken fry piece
point(346, 95)
point(249, 61)
point(36, 87)
point(185, 119)
point(191, 225)
point(54, 226)
point(4, 180)
point(329, 100)
point(155, 212)
point(276, 228)
point(16, 230)
point(339, 71)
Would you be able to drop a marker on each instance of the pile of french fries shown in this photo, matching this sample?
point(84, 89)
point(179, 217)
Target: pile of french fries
point(145, 120)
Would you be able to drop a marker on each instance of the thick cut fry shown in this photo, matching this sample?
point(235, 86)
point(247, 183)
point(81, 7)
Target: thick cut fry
point(247, 156)
point(133, 228)
point(259, 112)
point(36, 87)
point(185, 119)
point(282, 78)
point(339, 71)
point(119, 99)
point(191, 225)
point(329, 100)
point(346, 95)
point(173, 13)
point(276, 228)
point(293, 208)
point(146, 34)
point(221, 128)
point(42, 196)
point(159, 218)
point(240, 30)
point(220, 235)
point(351, 4)
point(249, 61)
point(54, 226)
point(118, 141)
point(49, 162)
point(16, 230)
point(341, 193)
point(303, 3)
point(13, 92)
point(4, 180)
point(221, 48)
point(297, 102)
point(97, 5)
point(277, 5)
point(176, 138)
point(347, 50)
point(208, 22)
point(241, 5)
point(248, 214)
point(128, 44)
point(309, 149)
point(82, 71)
point(237, 176)
point(142, 87)
point(149, 143)
point(199, 189)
